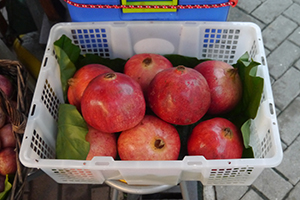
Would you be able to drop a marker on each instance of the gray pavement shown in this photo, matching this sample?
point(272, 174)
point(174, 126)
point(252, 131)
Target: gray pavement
point(279, 21)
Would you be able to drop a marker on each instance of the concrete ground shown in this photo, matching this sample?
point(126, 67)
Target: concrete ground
point(279, 21)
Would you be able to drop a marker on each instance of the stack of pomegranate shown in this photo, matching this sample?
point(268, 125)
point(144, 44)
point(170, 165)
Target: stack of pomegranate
point(7, 139)
point(149, 99)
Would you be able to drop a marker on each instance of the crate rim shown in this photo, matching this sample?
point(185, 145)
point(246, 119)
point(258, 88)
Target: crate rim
point(161, 22)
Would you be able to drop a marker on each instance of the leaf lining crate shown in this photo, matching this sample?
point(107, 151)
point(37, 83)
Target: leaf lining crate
point(133, 10)
point(225, 41)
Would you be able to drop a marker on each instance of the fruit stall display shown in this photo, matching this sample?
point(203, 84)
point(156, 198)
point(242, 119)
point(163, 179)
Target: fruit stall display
point(153, 103)
point(15, 99)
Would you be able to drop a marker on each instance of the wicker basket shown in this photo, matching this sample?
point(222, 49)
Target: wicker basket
point(18, 117)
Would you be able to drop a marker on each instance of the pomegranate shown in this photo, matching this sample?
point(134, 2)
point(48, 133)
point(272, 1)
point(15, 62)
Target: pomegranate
point(179, 95)
point(7, 137)
point(224, 83)
point(101, 144)
point(143, 67)
point(113, 102)
point(216, 138)
point(8, 164)
point(81, 79)
point(6, 86)
point(151, 139)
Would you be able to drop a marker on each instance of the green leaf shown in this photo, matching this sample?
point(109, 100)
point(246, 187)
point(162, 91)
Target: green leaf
point(184, 133)
point(245, 129)
point(245, 59)
point(252, 93)
point(184, 60)
point(72, 129)
point(252, 87)
point(67, 54)
point(7, 188)
point(116, 64)
point(248, 153)
point(246, 133)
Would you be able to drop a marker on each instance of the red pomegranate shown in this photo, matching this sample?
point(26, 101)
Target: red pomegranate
point(113, 102)
point(217, 138)
point(7, 138)
point(101, 144)
point(151, 139)
point(8, 164)
point(6, 86)
point(179, 95)
point(224, 83)
point(81, 79)
point(143, 67)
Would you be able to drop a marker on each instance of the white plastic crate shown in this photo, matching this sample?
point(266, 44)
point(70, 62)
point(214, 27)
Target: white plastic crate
point(225, 41)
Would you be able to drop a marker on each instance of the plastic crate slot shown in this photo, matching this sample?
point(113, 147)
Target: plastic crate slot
point(263, 61)
point(74, 175)
point(257, 153)
point(271, 109)
point(33, 110)
point(195, 163)
point(253, 50)
point(266, 144)
point(102, 163)
point(45, 62)
point(220, 42)
point(50, 100)
point(39, 146)
point(230, 175)
point(92, 41)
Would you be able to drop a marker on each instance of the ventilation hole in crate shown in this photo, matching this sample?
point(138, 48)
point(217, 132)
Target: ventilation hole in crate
point(256, 147)
point(253, 50)
point(220, 42)
point(230, 175)
point(272, 112)
point(45, 62)
point(92, 41)
point(33, 110)
point(74, 175)
point(266, 144)
point(50, 100)
point(263, 61)
point(39, 146)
